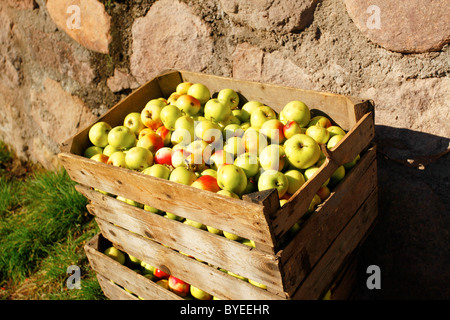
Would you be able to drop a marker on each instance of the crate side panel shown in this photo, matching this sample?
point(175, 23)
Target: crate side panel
point(113, 291)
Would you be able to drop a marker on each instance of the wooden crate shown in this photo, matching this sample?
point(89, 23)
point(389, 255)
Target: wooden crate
point(302, 268)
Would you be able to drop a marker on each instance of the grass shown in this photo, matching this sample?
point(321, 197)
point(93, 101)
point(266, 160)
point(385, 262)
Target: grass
point(44, 225)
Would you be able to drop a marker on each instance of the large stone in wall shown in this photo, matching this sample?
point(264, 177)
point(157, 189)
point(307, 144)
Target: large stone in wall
point(284, 15)
point(171, 35)
point(86, 21)
point(412, 26)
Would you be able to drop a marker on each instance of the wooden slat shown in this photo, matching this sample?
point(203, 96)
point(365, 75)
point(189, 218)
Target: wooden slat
point(113, 291)
point(196, 273)
point(122, 275)
point(240, 217)
point(345, 151)
point(214, 249)
point(322, 275)
point(320, 230)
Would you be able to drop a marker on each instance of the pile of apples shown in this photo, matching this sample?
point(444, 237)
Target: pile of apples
point(221, 144)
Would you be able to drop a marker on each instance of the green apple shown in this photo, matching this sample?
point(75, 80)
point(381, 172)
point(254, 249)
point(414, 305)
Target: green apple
point(121, 137)
point(130, 202)
point(118, 159)
point(169, 115)
point(158, 171)
point(296, 180)
point(249, 243)
point(208, 131)
point(309, 172)
point(134, 122)
point(254, 141)
point(248, 108)
point(199, 294)
point(138, 158)
point(237, 276)
point(188, 104)
point(98, 134)
point(230, 96)
point(296, 111)
point(318, 133)
point(291, 128)
point(100, 157)
point(219, 158)
point(217, 110)
point(238, 114)
point(270, 179)
point(245, 125)
point(172, 99)
point(257, 284)
point(321, 121)
point(232, 178)
point(194, 224)
point(234, 146)
point(214, 230)
point(314, 203)
point(273, 157)
point(334, 130)
point(201, 149)
point(210, 172)
point(182, 175)
point(338, 175)
point(179, 156)
point(93, 150)
point(173, 216)
point(233, 130)
point(182, 87)
point(273, 130)
point(333, 141)
point(147, 268)
point(232, 236)
point(109, 150)
point(249, 163)
point(200, 92)
point(228, 193)
point(115, 254)
point(151, 114)
point(260, 115)
point(352, 163)
point(302, 151)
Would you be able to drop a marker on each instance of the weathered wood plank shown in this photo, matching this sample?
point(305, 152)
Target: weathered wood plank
point(113, 291)
point(321, 276)
point(194, 272)
point(320, 230)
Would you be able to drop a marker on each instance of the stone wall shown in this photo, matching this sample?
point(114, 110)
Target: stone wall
point(65, 62)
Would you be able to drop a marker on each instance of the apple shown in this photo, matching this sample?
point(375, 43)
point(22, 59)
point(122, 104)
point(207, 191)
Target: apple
point(199, 294)
point(121, 137)
point(230, 96)
point(159, 274)
point(169, 115)
point(98, 134)
point(321, 121)
point(291, 128)
point(302, 151)
point(296, 180)
point(260, 115)
point(219, 158)
point(206, 182)
point(254, 141)
point(352, 163)
point(163, 283)
point(232, 236)
point(164, 156)
point(182, 87)
point(178, 286)
point(338, 175)
point(188, 104)
point(314, 203)
point(296, 111)
point(151, 141)
point(248, 242)
point(217, 110)
point(201, 149)
point(147, 269)
point(158, 170)
point(115, 254)
point(245, 125)
point(257, 284)
point(249, 163)
point(214, 230)
point(109, 150)
point(165, 135)
point(151, 115)
point(238, 114)
point(210, 172)
point(100, 157)
point(194, 224)
point(248, 108)
point(134, 261)
point(228, 194)
point(182, 137)
point(173, 216)
point(232, 178)
point(134, 122)
point(208, 131)
point(273, 157)
point(195, 162)
point(200, 92)
point(237, 276)
point(172, 99)
point(179, 157)
point(270, 179)
point(92, 150)
point(333, 141)
point(234, 146)
point(130, 202)
point(318, 133)
point(324, 193)
point(273, 130)
point(334, 130)
point(138, 158)
point(252, 185)
point(311, 171)
point(182, 175)
point(145, 131)
point(233, 130)
point(117, 159)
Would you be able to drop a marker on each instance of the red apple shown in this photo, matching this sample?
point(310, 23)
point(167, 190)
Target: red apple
point(206, 182)
point(100, 157)
point(164, 156)
point(158, 273)
point(291, 128)
point(188, 104)
point(178, 286)
point(165, 134)
point(144, 131)
point(273, 130)
point(151, 141)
